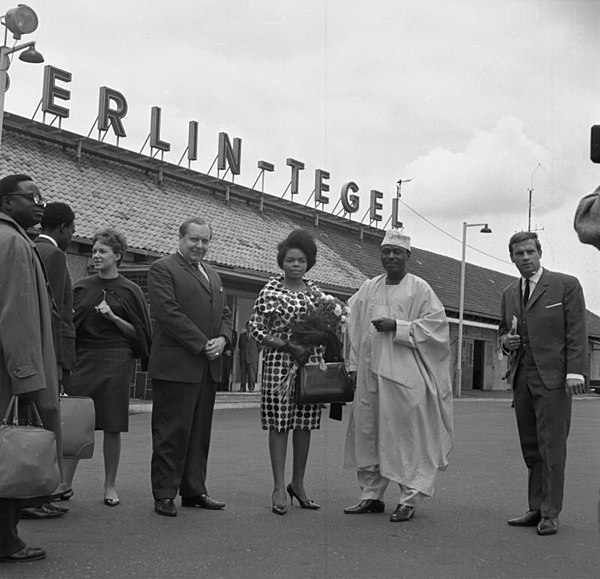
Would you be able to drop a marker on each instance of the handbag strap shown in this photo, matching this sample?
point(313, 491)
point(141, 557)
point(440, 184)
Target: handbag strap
point(33, 416)
point(13, 407)
point(36, 419)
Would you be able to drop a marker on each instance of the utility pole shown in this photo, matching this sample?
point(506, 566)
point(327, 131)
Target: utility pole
point(530, 197)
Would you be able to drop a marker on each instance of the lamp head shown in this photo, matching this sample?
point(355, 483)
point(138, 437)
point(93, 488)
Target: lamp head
point(31, 55)
point(485, 229)
point(21, 20)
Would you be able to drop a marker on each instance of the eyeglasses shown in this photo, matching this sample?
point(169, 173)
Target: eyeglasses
point(36, 198)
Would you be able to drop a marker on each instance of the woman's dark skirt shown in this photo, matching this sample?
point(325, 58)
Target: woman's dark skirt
point(105, 375)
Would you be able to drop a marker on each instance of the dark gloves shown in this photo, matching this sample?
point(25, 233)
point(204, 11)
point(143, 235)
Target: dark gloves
point(299, 353)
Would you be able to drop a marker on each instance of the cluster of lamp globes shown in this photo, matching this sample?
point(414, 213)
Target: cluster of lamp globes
point(20, 20)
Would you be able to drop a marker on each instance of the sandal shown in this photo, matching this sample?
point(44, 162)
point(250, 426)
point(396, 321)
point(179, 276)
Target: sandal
point(110, 502)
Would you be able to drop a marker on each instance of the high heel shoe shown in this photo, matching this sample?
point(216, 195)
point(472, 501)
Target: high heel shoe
point(278, 509)
point(307, 504)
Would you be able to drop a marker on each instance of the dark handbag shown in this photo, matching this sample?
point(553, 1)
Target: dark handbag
point(324, 383)
point(78, 422)
point(28, 456)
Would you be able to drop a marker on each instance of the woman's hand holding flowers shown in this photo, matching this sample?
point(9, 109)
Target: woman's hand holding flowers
point(298, 353)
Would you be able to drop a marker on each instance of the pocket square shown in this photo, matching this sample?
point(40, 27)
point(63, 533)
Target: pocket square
point(554, 305)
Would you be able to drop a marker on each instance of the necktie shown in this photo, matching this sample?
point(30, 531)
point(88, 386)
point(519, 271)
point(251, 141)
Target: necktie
point(199, 268)
point(526, 292)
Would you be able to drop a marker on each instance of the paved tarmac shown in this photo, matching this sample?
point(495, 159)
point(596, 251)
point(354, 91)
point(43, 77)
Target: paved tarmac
point(461, 532)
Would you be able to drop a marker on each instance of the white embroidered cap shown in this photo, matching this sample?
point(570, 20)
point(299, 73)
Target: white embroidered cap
point(396, 237)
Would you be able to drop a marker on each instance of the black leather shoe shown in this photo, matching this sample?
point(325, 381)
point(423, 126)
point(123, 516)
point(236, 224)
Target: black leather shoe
point(202, 501)
point(25, 555)
point(529, 519)
point(402, 513)
point(366, 506)
point(55, 508)
point(40, 513)
point(547, 526)
point(165, 507)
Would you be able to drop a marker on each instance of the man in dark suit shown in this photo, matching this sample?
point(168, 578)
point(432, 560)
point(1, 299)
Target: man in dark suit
point(58, 226)
point(193, 328)
point(248, 360)
point(543, 330)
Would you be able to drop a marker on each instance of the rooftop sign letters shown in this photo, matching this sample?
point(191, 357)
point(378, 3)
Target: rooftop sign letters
point(113, 108)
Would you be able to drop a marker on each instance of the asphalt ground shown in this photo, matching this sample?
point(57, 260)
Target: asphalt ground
point(461, 532)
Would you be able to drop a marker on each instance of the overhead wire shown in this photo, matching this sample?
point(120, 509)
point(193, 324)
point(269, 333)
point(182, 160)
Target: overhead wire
point(450, 235)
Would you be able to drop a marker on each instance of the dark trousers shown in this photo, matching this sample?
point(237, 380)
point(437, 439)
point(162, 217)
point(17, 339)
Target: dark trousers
point(181, 425)
point(10, 511)
point(543, 420)
point(247, 376)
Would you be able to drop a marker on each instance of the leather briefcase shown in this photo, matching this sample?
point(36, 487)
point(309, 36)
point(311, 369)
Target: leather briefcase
point(28, 455)
point(78, 420)
point(323, 383)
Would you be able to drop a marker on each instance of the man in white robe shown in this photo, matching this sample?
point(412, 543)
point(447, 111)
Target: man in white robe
point(401, 426)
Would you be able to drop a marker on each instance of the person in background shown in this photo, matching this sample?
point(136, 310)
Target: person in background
point(28, 365)
point(112, 328)
point(587, 226)
point(58, 226)
point(193, 329)
point(543, 332)
point(248, 359)
point(401, 426)
point(587, 219)
point(284, 300)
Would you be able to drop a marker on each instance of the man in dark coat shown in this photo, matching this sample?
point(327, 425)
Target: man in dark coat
point(27, 358)
point(193, 328)
point(58, 226)
point(543, 331)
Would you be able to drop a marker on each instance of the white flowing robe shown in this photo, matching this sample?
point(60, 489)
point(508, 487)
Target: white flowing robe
point(401, 418)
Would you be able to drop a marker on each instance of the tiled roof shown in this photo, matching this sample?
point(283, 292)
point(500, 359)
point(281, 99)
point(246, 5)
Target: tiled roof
point(112, 186)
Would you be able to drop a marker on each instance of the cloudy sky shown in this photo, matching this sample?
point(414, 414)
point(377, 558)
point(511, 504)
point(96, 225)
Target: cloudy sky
point(476, 101)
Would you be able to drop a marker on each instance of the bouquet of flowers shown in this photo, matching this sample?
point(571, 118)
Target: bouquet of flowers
point(322, 326)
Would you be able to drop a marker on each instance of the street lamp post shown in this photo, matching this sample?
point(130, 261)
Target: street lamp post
point(20, 20)
point(461, 307)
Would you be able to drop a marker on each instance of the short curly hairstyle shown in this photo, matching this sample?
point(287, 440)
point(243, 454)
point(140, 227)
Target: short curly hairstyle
point(298, 239)
point(115, 239)
point(55, 214)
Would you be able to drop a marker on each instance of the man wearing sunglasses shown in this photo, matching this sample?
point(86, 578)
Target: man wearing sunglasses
point(27, 360)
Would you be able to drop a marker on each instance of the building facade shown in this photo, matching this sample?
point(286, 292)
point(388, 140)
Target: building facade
point(147, 199)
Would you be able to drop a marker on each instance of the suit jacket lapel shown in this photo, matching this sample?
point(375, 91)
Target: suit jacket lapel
point(516, 295)
point(540, 288)
point(194, 272)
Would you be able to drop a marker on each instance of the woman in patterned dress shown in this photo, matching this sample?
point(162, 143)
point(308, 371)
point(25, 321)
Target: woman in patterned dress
point(283, 301)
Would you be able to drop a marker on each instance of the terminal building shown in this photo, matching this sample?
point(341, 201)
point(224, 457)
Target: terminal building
point(147, 199)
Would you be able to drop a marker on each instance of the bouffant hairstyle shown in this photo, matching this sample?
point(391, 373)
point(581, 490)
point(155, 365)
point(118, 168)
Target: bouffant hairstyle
point(298, 239)
point(522, 236)
point(114, 239)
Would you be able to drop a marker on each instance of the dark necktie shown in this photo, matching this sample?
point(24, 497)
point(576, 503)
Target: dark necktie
point(526, 292)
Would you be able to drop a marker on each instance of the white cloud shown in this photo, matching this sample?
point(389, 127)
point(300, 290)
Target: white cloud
point(490, 175)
